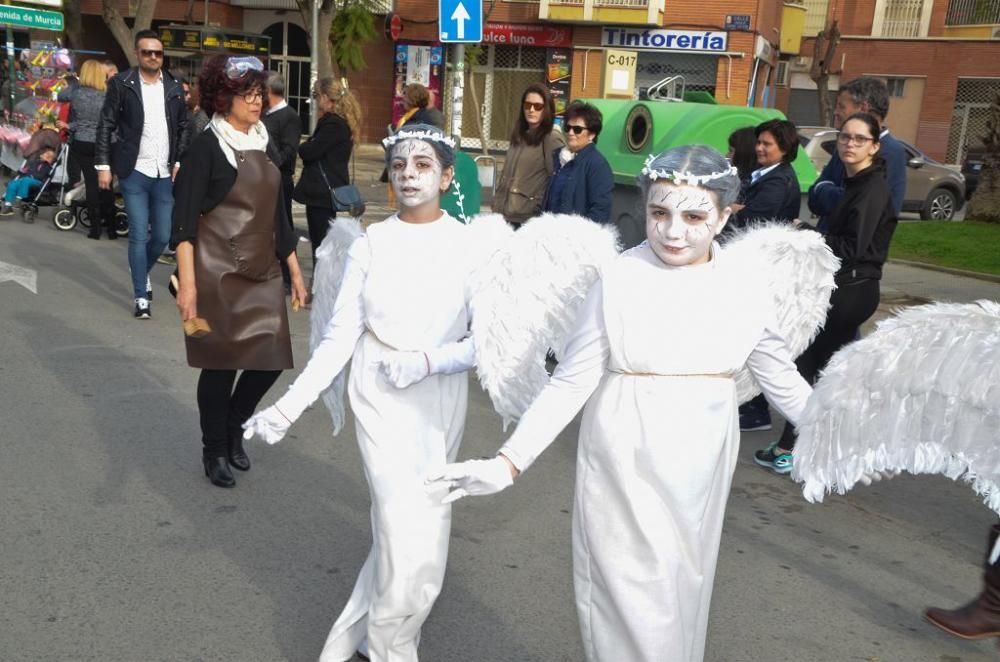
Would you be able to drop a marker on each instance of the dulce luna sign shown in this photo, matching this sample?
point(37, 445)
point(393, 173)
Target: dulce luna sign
point(543, 36)
point(667, 40)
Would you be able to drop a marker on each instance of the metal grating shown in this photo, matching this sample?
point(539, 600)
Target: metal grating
point(902, 18)
point(968, 124)
point(815, 17)
point(973, 12)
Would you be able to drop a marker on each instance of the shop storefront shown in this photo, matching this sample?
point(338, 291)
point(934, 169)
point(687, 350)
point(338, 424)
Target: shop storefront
point(188, 45)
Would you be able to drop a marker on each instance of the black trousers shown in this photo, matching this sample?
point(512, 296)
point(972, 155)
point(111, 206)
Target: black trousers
point(850, 306)
point(223, 410)
point(318, 219)
point(100, 203)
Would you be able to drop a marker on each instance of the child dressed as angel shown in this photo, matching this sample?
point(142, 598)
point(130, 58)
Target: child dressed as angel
point(401, 314)
point(653, 357)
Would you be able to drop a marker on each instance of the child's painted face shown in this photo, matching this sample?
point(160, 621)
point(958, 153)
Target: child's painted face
point(416, 174)
point(681, 223)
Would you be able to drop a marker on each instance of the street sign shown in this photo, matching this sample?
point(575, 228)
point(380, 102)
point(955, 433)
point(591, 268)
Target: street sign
point(460, 21)
point(740, 22)
point(45, 3)
point(21, 17)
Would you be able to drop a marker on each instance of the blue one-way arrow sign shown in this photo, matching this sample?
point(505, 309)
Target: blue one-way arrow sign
point(460, 21)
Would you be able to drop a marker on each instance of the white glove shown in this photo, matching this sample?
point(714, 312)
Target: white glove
point(473, 477)
point(269, 424)
point(402, 369)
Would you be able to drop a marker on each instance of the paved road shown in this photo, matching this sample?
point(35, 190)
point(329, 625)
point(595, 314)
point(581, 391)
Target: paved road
point(115, 547)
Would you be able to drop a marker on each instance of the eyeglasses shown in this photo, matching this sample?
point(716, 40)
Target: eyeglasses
point(575, 128)
point(537, 107)
point(253, 96)
point(151, 52)
point(849, 139)
point(238, 67)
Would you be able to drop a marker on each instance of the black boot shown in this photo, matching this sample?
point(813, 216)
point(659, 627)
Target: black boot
point(217, 470)
point(981, 617)
point(111, 228)
point(95, 231)
point(238, 457)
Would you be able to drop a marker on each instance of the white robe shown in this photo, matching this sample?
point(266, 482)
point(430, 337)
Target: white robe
point(652, 357)
point(403, 289)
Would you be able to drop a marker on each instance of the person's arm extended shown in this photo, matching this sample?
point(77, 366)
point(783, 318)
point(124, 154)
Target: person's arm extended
point(772, 366)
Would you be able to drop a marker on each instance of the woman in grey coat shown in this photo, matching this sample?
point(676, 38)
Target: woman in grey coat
point(84, 111)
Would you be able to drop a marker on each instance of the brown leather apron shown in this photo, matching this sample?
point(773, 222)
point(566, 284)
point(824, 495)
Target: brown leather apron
point(240, 292)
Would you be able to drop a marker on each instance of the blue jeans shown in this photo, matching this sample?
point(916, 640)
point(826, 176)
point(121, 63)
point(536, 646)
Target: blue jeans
point(17, 189)
point(148, 202)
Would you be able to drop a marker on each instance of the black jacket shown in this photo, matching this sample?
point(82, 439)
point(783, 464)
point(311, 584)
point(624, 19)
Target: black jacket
point(861, 225)
point(284, 129)
point(122, 117)
point(774, 197)
point(328, 148)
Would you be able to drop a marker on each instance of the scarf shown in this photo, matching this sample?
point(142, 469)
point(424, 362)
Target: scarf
point(233, 141)
point(565, 156)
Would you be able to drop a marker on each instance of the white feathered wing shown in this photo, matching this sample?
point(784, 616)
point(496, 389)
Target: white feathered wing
point(328, 274)
point(919, 394)
point(799, 269)
point(525, 299)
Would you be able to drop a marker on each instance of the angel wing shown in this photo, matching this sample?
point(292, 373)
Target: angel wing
point(919, 394)
point(331, 258)
point(799, 269)
point(525, 298)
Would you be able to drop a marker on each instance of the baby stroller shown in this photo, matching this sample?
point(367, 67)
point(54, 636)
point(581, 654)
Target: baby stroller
point(51, 192)
point(74, 210)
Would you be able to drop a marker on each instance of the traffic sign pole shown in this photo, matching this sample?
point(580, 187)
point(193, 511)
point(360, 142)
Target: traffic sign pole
point(458, 97)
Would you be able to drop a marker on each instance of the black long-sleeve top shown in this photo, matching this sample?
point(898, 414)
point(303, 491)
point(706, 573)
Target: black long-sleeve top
point(203, 181)
point(329, 148)
point(861, 225)
point(284, 128)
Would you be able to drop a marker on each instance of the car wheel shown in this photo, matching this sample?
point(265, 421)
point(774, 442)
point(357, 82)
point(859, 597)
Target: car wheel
point(941, 205)
point(64, 219)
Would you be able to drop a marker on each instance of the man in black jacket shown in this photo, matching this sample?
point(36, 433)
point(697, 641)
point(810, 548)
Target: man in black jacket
point(144, 111)
point(284, 129)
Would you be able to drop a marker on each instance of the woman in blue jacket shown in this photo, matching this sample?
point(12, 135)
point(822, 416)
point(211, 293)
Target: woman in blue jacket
point(582, 182)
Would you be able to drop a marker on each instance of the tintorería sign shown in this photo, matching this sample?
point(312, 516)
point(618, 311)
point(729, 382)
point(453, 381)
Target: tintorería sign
point(664, 40)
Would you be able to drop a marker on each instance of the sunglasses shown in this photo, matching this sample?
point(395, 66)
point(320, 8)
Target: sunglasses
point(575, 128)
point(151, 52)
point(537, 107)
point(238, 67)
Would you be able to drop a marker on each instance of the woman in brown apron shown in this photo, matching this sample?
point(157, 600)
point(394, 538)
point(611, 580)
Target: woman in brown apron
point(229, 229)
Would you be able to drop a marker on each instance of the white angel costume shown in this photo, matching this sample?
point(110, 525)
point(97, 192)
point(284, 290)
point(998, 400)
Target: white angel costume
point(654, 355)
point(403, 289)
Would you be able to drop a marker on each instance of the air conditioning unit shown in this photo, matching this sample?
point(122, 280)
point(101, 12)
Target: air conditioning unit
point(996, 33)
point(800, 63)
point(781, 74)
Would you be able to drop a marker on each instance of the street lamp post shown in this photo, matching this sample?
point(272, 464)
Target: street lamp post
point(314, 65)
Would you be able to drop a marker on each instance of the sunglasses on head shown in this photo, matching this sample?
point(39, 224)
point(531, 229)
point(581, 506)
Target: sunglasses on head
point(237, 67)
point(575, 128)
point(530, 105)
point(151, 52)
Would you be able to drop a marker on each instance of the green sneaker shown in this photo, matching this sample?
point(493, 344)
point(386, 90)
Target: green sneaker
point(779, 463)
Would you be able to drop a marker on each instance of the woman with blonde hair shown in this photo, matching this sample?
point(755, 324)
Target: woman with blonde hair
point(84, 111)
point(326, 153)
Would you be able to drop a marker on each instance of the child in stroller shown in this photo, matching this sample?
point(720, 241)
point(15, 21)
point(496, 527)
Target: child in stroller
point(30, 179)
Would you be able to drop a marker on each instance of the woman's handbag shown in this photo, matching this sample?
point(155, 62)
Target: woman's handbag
point(344, 198)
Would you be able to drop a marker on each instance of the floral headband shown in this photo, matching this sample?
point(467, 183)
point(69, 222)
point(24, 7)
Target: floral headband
point(404, 134)
point(683, 177)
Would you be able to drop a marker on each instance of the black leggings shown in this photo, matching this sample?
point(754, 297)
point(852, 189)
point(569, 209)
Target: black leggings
point(318, 219)
point(100, 203)
point(223, 409)
point(850, 306)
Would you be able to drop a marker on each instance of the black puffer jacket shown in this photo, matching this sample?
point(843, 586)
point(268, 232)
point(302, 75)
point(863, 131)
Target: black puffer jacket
point(861, 226)
point(328, 148)
point(122, 116)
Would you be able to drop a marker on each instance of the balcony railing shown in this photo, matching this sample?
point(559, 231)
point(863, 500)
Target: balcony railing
point(973, 12)
point(628, 4)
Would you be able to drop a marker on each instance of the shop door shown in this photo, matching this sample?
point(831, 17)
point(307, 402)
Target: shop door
point(290, 58)
point(499, 77)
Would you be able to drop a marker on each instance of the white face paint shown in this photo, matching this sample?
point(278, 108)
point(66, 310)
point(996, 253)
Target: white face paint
point(681, 223)
point(416, 174)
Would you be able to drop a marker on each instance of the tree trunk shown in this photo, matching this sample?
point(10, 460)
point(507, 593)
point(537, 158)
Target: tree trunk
point(121, 32)
point(327, 10)
point(824, 50)
point(74, 25)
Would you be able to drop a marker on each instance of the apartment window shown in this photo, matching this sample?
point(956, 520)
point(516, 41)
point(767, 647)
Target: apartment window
point(902, 18)
point(815, 17)
point(897, 86)
point(781, 75)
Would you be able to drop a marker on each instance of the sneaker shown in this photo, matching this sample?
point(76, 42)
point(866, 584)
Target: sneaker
point(142, 311)
point(167, 258)
point(7, 209)
point(752, 419)
point(779, 463)
point(149, 289)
